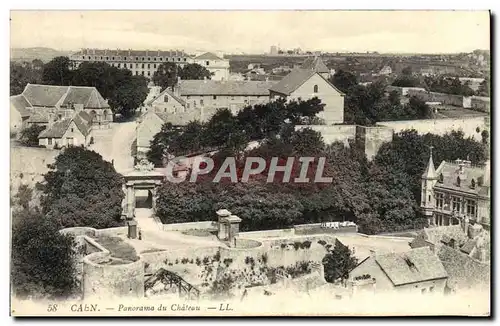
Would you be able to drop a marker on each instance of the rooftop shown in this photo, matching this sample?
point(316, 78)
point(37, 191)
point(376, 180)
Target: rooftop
point(315, 64)
point(50, 96)
point(216, 87)
point(208, 56)
point(21, 104)
point(138, 53)
point(416, 265)
point(451, 172)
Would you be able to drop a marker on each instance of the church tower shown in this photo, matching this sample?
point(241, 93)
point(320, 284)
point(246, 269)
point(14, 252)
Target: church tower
point(429, 179)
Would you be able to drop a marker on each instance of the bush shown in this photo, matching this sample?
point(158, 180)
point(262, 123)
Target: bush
point(176, 261)
point(206, 260)
point(297, 245)
point(198, 261)
point(322, 242)
point(29, 136)
point(264, 258)
point(184, 260)
point(217, 256)
point(283, 245)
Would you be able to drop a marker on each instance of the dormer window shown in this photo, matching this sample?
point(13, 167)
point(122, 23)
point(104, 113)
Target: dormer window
point(473, 184)
point(458, 181)
point(441, 178)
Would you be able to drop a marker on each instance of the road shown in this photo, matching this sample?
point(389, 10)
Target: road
point(114, 144)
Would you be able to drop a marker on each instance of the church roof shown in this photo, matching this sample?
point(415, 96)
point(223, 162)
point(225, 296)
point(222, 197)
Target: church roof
point(430, 171)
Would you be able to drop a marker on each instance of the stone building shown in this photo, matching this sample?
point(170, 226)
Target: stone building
point(412, 272)
point(219, 67)
point(139, 62)
point(46, 104)
point(74, 131)
point(456, 192)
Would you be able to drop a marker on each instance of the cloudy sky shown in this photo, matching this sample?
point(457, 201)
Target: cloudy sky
point(254, 31)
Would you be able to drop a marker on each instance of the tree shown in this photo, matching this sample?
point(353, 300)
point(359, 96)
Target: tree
point(220, 127)
point(339, 262)
point(81, 189)
point(23, 196)
point(29, 136)
point(161, 143)
point(166, 75)
point(130, 93)
point(190, 140)
point(307, 142)
point(194, 71)
point(21, 75)
point(344, 80)
point(57, 72)
point(43, 260)
point(484, 88)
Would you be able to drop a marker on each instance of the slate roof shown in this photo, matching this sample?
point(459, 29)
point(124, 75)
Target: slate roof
point(59, 128)
point(21, 105)
point(468, 246)
point(180, 119)
point(449, 171)
point(436, 234)
point(39, 117)
point(88, 96)
point(49, 96)
point(294, 80)
point(416, 265)
point(315, 64)
point(44, 95)
point(463, 271)
point(229, 87)
point(131, 53)
point(208, 56)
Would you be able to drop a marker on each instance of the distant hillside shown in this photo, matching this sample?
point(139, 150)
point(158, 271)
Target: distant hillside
point(30, 54)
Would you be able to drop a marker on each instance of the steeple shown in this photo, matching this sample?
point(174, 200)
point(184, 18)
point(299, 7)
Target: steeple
point(430, 172)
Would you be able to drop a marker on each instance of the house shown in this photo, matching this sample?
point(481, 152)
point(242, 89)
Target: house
point(480, 103)
point(305, 84)
point(74, 131)
point(415, 271)
point(47, 103)
point(219, 67)
point(456, 193)
point(19, 112)
point(386, 70)
point(206, 96)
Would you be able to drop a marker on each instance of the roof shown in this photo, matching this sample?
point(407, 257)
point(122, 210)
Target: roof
point(59, 128)
point(44, 95)
point(39, 117)
point(138, 53)
point(169, 92)
point(437, 234)
point(430, 172)
point(416, 265)
point(295, 79)
point(180, 119)
point(468, 246)
point(450, 172)
point(315, 64)
point(229, 87)
point(208, 56)
point(49, 96)
point(21, 104)
point(88, 96)
point(463, 271)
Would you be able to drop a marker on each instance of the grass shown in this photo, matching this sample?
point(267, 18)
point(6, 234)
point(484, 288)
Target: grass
point(118, 248)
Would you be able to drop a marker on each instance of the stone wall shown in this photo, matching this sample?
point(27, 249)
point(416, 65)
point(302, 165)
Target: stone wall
point(372, 138)
point(307, 229)
point(268, 233)
point(204, 225)
point(333, 133)
point(440, 126)
point(448, 99)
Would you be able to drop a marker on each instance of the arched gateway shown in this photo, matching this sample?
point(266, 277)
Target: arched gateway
point(144, 178)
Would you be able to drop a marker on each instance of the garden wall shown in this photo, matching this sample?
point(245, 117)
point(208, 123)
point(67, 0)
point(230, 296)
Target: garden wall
point(268, 233)
point(157, 259)
point(204, 225)
point(304, 229)
point(448, 99)
point(333, 133)
point(440, 126)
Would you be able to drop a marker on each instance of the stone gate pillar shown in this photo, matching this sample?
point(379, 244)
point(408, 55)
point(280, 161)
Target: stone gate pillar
point(130, 202)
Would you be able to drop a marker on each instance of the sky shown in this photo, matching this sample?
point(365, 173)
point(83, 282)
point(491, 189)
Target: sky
point(254, 31)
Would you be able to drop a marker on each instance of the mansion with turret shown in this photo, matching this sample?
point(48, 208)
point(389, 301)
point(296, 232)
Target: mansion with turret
point(456, 193)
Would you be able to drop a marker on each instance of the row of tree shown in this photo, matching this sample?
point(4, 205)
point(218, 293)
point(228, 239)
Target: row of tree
point(232, 132)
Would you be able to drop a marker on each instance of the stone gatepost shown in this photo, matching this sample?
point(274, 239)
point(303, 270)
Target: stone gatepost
point(223, 230)
point(233, 224)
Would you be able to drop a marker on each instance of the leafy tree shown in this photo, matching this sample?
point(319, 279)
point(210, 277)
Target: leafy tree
point(344, 80)
point(338, 263)
point(166, 75)
point(21, 75)
point(406, 81)
point(484, 88)
point(220, 127)
point(307, 142)
point(448, 85)
point(29, 136)
point(130, 93)
point(299, 112)
point(43, 260)
point(190, 140)
point(57, 72)
point(160, 144)
point(23, 196)
point(81, 189)
point(194, 71)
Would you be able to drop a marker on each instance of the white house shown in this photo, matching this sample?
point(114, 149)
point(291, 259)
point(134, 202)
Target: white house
point(219, 67)
point(75, 131)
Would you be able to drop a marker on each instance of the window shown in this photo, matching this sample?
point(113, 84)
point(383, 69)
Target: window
point(178, 59)
point(107, 58)
point(423, 291)
point(112, 58)
point(149, 66)
point(471, 208)
point(143, 66)
point(125, 58)
point(456, 203)
point(315, 90)
point(137, 65)
point(154, 58)
point(165, 99)
point(188, 105)
point(83, 57)
point(149, 73)
point(142, 73)
point(72, 130)
point(101, 58)
point(142, 58)
point(50, 141)
point(439, 200)
point(215, 97)
point(207, 63)
point(161, 59)
point(130, 65)
point(119, 65)
point(184, 59)
point(136, 73)
point(136, 58)
point(431, 289)
point(201, 102)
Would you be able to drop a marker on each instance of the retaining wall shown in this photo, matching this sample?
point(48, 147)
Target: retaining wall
point(333, 133)
point(204, 225)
